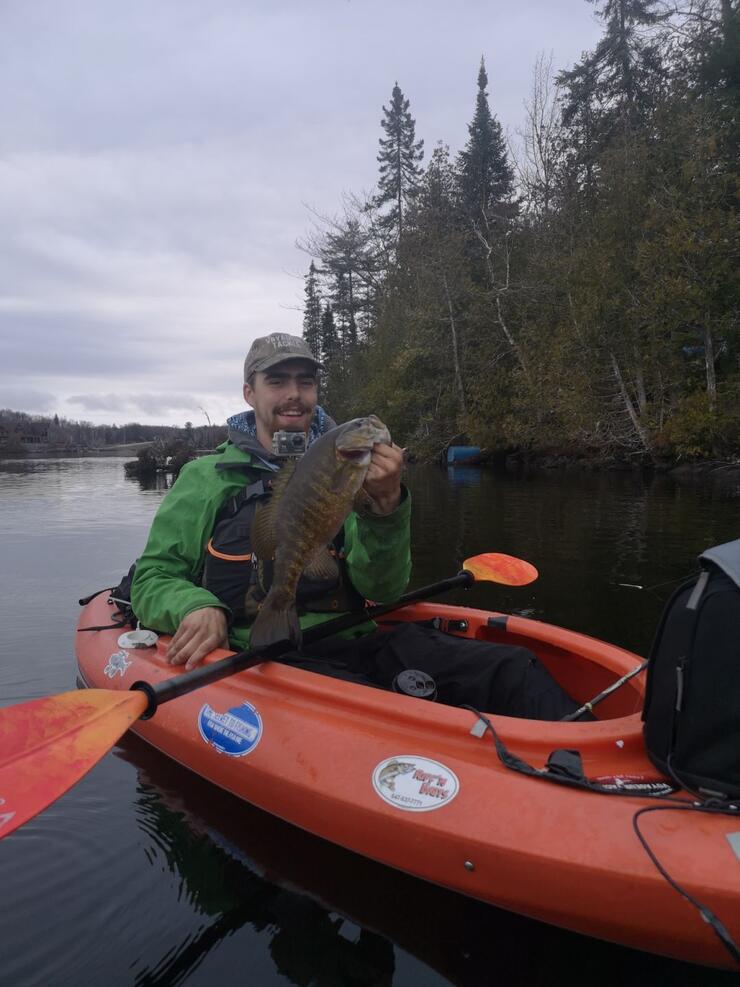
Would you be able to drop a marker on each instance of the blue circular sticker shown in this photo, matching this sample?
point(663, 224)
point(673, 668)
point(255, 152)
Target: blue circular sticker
point(235, 732)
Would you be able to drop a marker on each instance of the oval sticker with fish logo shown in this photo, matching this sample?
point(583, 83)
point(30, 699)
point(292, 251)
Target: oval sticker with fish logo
point(414, 783)
point(235, 732)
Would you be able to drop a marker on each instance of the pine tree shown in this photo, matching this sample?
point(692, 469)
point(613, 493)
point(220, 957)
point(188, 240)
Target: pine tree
point(330, 349)
point(582, 135)
point(439, 254)
point(312, 313)
point(622, 76)
point(348, 264)
point(399, 157)
point(486, 177)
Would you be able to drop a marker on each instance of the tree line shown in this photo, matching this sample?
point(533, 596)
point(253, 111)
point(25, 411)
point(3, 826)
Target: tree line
point(21, 433)
point(575, 292)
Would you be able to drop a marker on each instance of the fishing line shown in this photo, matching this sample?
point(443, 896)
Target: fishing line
point(668, 582)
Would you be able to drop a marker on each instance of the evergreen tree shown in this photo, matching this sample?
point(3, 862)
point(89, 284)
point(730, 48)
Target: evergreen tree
point(601, 322)
point(399, 157)
point(442, 290)
point(623, 75)
point(581, 138)
point(330, 349)
point(711, 70)
point(486, 177)
point(347, 261)
point(720, 41)
point(343, 298)
point(312, 313)
point(336, 385)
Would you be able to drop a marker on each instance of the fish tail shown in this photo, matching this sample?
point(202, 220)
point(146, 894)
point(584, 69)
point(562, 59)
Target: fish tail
point(276, 622)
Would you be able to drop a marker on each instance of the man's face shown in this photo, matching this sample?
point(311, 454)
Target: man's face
point(283, 397)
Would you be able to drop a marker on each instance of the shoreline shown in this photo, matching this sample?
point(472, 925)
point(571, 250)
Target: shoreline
point(540, 462)
point(517, 462)
point(41, 451)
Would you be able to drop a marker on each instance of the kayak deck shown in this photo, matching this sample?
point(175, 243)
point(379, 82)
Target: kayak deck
point(405, 782)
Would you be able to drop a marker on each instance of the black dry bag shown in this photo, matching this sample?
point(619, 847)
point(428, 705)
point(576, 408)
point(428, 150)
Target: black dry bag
point(692, 703)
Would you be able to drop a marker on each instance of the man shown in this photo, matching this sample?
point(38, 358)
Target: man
point(194, 574)
point(168, 591)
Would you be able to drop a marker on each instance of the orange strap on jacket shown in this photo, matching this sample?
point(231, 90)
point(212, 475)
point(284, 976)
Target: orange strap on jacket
point(228, 558)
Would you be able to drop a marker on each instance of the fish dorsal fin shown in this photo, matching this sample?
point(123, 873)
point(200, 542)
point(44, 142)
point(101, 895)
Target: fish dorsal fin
point(263, 525)
point(322, 566)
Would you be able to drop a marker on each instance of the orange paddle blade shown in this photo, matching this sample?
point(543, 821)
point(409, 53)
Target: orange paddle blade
point(49, 744)
point(496, 568)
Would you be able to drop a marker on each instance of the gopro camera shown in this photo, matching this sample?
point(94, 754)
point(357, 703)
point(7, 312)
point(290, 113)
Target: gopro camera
point(288, 443)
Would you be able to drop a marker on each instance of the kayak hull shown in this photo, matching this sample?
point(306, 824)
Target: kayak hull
point(406, 783)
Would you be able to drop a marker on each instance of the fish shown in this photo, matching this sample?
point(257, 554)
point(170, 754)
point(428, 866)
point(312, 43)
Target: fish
point(311, 498)
point(391, 771)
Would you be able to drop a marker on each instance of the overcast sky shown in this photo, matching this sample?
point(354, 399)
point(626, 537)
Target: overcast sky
point(158, 159)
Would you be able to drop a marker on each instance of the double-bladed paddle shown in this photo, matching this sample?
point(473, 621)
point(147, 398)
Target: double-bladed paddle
point(47, 745)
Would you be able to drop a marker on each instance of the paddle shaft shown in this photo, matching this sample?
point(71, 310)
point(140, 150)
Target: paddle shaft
point(587, 707)
point(181, 685)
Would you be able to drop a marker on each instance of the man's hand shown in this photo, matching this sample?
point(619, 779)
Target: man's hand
point(198, 634)
point(383, 480)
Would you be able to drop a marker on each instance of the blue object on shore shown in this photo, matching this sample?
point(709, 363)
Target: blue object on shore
point(463, 454)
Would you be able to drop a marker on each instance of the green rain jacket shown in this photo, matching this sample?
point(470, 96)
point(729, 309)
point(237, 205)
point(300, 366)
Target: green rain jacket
point(166, 585)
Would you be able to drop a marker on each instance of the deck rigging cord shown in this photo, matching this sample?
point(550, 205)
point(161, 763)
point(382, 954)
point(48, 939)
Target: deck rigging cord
point(564, 771)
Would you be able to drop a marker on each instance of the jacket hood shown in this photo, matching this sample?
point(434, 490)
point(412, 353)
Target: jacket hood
point(243, 432)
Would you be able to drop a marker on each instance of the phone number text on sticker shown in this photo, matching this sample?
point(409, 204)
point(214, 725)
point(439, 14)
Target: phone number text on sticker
point(235, 732)
point(414, 783)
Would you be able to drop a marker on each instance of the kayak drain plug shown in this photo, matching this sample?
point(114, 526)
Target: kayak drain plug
point(412, 682)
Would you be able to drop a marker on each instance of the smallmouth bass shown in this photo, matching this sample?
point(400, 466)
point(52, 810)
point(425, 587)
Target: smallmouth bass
point(309, 504)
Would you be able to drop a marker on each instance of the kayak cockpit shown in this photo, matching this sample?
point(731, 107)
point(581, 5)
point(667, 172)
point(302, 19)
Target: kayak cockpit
point(583, 666)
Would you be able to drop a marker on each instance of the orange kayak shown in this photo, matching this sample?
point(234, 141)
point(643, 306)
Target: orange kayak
point(419, 786)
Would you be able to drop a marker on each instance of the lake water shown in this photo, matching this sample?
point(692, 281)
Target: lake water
point(144, 874)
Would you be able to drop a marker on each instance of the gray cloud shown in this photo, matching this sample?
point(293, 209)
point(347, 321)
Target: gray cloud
point(152, 404)
point(155, 160)
point(23, 399)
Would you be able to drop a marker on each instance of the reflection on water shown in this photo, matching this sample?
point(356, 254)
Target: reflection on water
point(153, 481)
point(463, 476)
point(587, 534)
point(155, 877)
point(332, 917)
point(222, 860)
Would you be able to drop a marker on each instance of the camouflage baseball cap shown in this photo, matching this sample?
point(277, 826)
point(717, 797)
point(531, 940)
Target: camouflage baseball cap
point(267, 351)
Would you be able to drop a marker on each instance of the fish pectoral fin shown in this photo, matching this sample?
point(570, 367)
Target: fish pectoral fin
point(322, 566)
point(252, 602)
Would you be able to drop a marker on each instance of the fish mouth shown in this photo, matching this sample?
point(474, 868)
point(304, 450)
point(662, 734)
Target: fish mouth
point(357, 438)
point(361, 456)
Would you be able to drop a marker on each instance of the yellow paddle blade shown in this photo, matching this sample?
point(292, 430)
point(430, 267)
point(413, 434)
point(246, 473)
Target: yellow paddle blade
point(492, 567)
point(49, 744)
